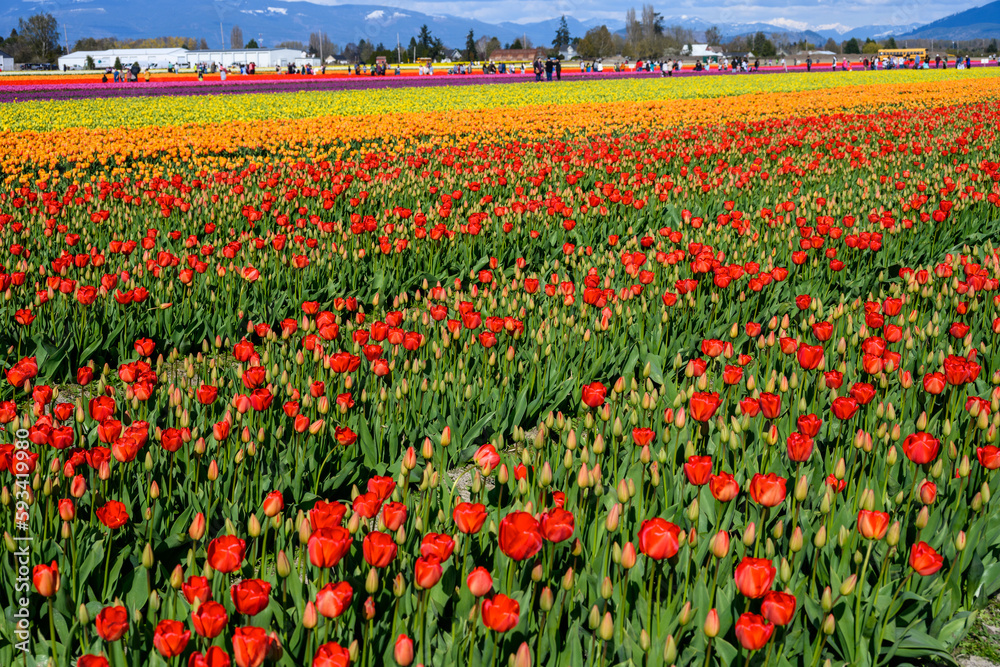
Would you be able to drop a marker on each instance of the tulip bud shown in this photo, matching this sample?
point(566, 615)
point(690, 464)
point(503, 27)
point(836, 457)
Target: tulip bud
point(567, 580)
point(593, 618)
point(749, 534)
point(309, 616)
point(829, 624)
point(546, 599)
point(847, 586)
point(826, 601)
point(403, 651)
point(819, 540)
point(719, 545)
point(283, 566)
point(711, 626)
point(607, 628)
point(684, 617)
point(629, 557)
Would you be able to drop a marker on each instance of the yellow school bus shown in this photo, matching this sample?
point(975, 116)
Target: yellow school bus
point(903, 53)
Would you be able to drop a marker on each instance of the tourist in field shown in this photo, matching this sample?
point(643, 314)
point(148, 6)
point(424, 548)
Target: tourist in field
point(548, 69)
point(558, 70)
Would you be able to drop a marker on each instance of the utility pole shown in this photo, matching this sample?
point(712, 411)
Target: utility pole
point(222, 36)
point(399, 57)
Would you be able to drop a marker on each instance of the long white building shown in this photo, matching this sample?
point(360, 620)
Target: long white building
point(162, 58)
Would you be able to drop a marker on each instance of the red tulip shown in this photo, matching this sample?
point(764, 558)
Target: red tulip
point(809, 424)
point(520, 535)
point(170, 638)
point(593, 394)
point(207, 394)
point(658, 538)
point(196, 587)
point(800, 446)
point(90, 660)
point(989, 457)
point(226, 553)
point(778, 607)
point(703, 405)
point(46, 579)
point(213, 657)
point(810, 356)
point(469, 517)
point(326, 514)
point(331, 655)
point(500, 613)
point(436, 544)
point(697, 469)
point(479, 582)
point(427, 571)
point(210, 619)
point(723, 486)
point(112, 623)
point(770, 405)
point(557, 525)
point(274, 502)
point(251, 596)
point(754, 576)
point(753, 631)
point(921, 447)
point(379, 549)
point(333, 599)
point(873, 525)
point(925, 560)
point(844, 407)
point(767, 490)
point(394, 515)
point(402, 651)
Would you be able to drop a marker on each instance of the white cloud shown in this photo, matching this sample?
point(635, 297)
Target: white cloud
point(375, 15)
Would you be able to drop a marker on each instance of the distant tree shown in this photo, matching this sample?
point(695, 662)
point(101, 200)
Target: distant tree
point(762, 47)
point(412, 47)
point(320, 44)
point(252, 44)
point(562, 38)
point(491, 46)
point(890, 43)
point(236, 38)
point(992, 48)
point(89, 63)
point(831, 46)
point(365, 50)
point(516, 45)
point(871, 46)
point(203, 44)
point(470, 46)
point(118, 63)
point(852, 46)
point(37, 39)
point(713, 37)
point(597, 43)
point(351, 52)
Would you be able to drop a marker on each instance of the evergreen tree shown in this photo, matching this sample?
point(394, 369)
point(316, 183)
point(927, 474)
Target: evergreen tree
point(562, 38)
point(852, 46)
point(470, 46)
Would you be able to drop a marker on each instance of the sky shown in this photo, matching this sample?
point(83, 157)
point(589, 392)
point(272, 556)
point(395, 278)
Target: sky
point(850, 13)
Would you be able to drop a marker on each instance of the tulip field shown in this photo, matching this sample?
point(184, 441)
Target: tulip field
point(630, 371)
